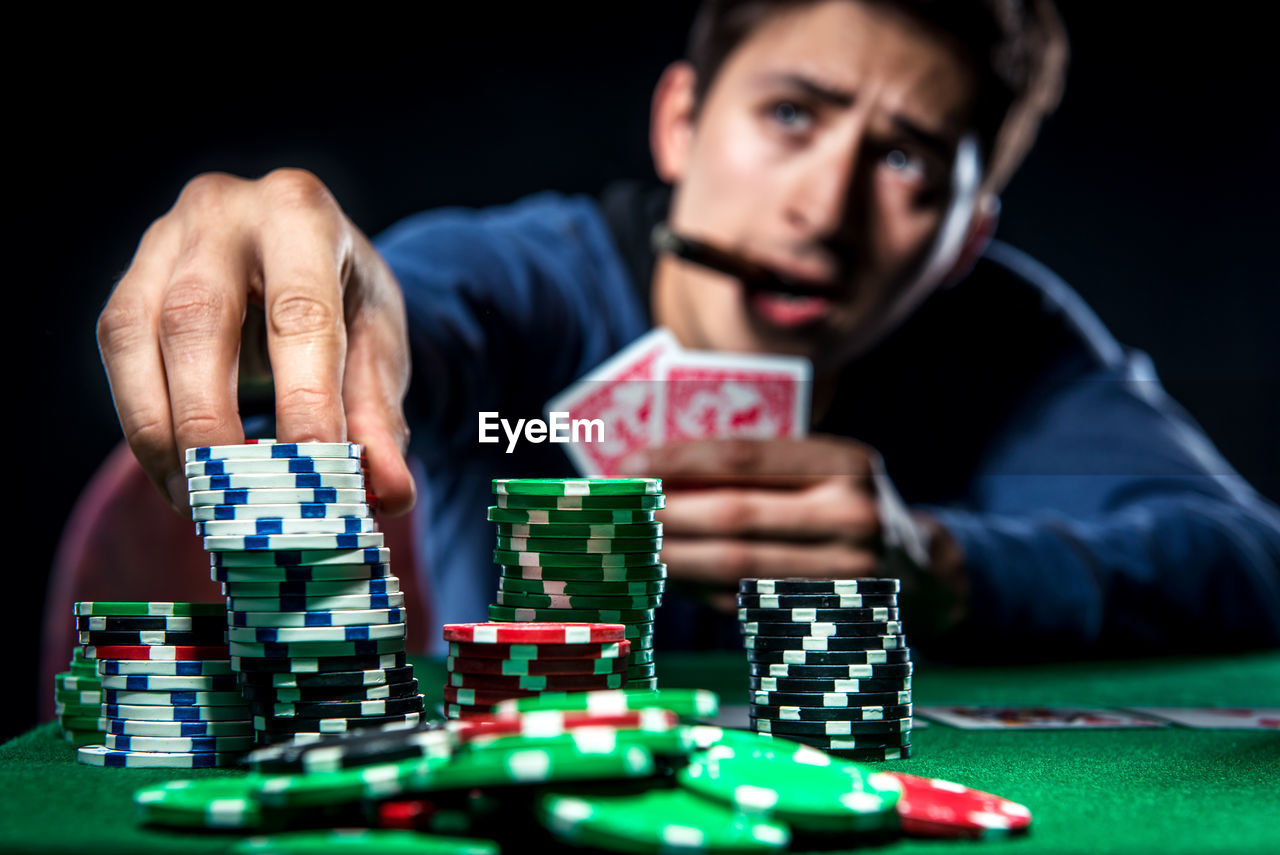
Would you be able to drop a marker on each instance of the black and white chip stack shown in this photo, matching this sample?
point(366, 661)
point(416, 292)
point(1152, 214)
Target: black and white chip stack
point(316, 620)
point(829, 664)
point(168, 697)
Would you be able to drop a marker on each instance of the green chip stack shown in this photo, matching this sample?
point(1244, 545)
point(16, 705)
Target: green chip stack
point(582, 550)
point(77, 698)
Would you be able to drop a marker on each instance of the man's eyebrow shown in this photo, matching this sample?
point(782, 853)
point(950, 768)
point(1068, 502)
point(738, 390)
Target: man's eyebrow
point(821, 91)
point(940, 143)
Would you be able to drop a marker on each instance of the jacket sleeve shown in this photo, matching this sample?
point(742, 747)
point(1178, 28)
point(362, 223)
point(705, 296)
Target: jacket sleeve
point(505, 307)
point(1103, 518)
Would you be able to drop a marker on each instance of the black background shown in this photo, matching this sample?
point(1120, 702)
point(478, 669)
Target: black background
point(1151, 191)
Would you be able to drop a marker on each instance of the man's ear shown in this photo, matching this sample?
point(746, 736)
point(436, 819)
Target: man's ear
point(671, 121)
point(982, 227)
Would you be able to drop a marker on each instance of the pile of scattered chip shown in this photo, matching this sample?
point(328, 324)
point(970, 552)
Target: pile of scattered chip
point(77, 699)
point(316, 619)
point(626, 771)
point(583, 550)
point(829, 664)
point(492, 662)
point(168, 697)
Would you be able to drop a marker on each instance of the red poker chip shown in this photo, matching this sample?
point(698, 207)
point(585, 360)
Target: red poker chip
point(158, 652)
point(484, 697)
point(603, 650)
point(534, 633)
point(538, 682)
point(408, 814)
point(554, 722)
point(933, 808)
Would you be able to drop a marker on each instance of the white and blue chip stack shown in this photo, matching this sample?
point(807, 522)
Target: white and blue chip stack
point(316, 620)
point(167, 698)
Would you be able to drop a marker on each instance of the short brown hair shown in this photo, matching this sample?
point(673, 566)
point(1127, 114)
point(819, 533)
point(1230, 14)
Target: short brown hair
point(1018, 48)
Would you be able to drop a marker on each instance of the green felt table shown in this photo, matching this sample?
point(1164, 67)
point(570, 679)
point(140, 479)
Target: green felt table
point(1167, 790)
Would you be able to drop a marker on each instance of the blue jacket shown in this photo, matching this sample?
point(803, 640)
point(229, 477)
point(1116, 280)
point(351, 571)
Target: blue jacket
point(1094, 514)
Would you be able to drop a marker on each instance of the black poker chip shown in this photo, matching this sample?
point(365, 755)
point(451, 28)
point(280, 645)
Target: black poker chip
point(874, 713)
point(108, 638)
point(328, 679)
point(835, 727)
point(793, 642)
point(818, 586)
point(860, 671)
point(895, 739)
point(286, 665)
point(817, 615)
point(837, 700)
point(822, 657)
point(850, 686)
point(822, 630)
point(853, 749)
point(337, 709)
point(284, 694)
point(365, 747)
point(343, 724)
point(206, 624)
point(817, 601)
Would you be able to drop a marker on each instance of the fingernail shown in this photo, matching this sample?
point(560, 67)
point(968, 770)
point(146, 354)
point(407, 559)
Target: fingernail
point(176, 484)
point(635, 463)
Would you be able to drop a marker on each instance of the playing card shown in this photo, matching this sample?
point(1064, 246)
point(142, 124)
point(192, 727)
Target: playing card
point(1217, 718)
point(621, 392)
point(1034, 718)
point(720, 395)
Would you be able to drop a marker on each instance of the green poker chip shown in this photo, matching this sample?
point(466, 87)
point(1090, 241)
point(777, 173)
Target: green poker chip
point(573, 559)
point(137, 609)
point(582, 503)
point(802, 786)
point(514, 614)
point(222, 802)
point(375, 841)
point(662, 741)
point(601, 516)
point(584, 588)
point(591, 546)
point(577, 486)
point(657, 821)
point(687, 704)
point(576, 601)
point(580, 531)
point(634, 573)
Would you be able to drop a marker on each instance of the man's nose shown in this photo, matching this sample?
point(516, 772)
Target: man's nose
point(821, 202)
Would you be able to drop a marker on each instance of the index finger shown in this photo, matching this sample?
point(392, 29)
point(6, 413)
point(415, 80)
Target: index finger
point(777, 463)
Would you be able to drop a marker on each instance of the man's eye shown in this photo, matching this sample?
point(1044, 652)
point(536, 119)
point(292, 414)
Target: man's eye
point(908, 166)
point(792, 116)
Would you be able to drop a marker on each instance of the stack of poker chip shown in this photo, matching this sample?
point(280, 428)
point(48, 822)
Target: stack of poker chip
point(316, 621)
point(490, 663)
point(829, 664)
point(582, 550)
point(77, 698)
point(169, 699)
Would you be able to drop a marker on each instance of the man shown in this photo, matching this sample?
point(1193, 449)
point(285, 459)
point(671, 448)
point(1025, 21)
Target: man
point(1059, 501)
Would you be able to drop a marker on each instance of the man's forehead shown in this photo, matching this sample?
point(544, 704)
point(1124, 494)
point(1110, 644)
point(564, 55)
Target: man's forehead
point(853, 49)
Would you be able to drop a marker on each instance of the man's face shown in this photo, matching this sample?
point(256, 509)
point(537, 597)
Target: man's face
point(825, 150)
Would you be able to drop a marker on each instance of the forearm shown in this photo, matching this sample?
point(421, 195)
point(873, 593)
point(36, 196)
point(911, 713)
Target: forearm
point(1175, 573)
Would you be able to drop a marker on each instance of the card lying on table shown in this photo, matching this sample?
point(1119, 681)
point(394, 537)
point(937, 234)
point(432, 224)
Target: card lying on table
point(1217, 718)
point(1034, 718)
